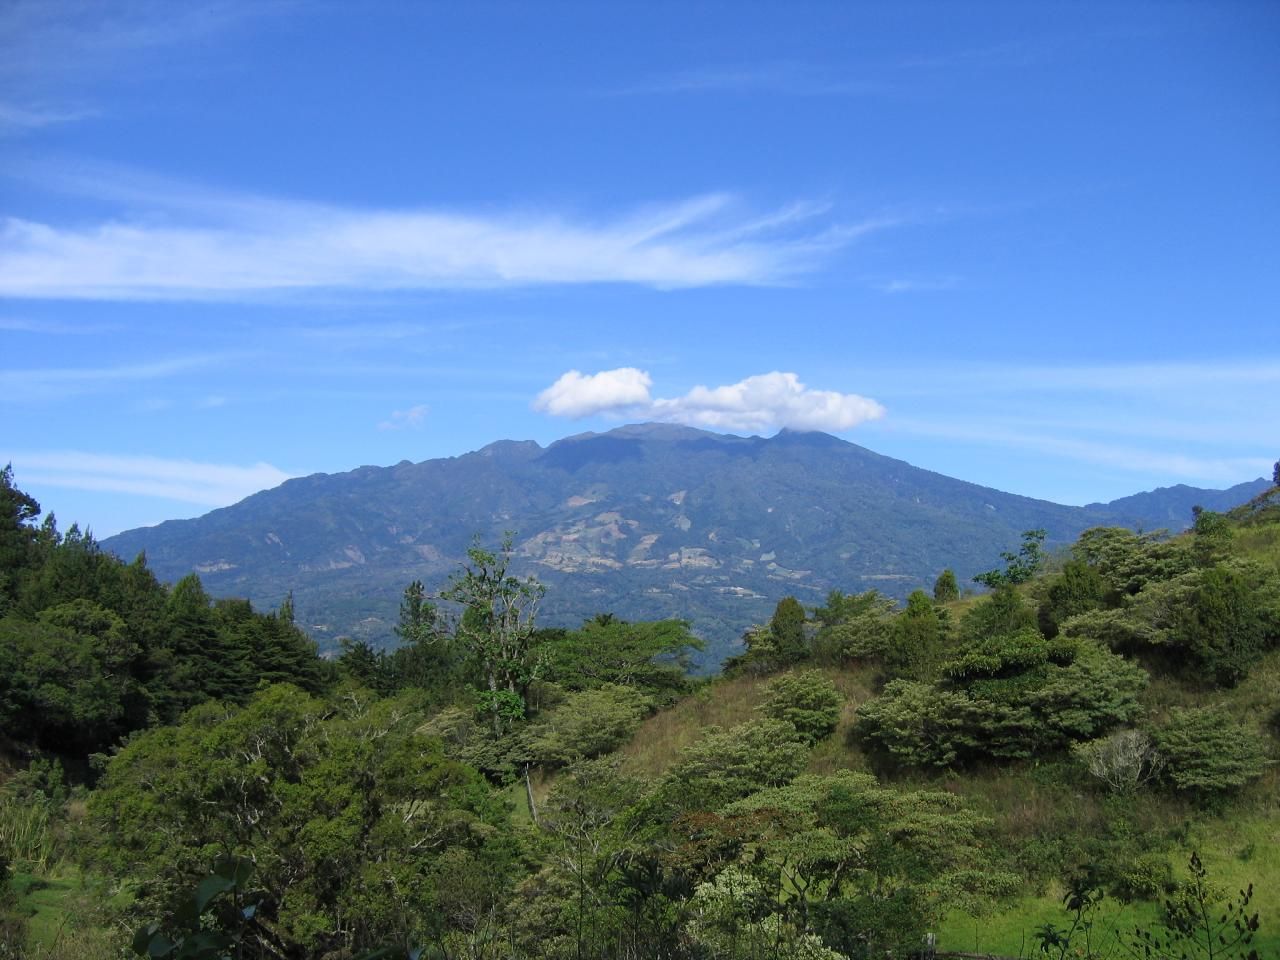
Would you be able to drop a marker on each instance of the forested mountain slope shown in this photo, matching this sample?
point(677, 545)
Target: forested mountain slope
point(645, 521)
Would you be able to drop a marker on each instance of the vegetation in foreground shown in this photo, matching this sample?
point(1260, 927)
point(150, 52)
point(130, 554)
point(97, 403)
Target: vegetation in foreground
point(1078, 763)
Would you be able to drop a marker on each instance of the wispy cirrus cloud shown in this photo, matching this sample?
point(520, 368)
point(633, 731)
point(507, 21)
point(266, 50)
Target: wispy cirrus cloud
point(1133, 457)
point(51, 51)
point(916, 284)
point(42, 382)
point(784, 77)
point(189, 481)
point(1171, 378)
point(15, 118)
point(53, 327)
point(411, 418)
point(272, 247)
point(757, 403)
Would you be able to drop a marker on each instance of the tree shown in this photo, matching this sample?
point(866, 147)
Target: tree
point(787, 628)
point(945, 588)
point(854, 626)
point(1078, 589)
point(496, 629)
point(1003, 612)
point(587, 724)
point(726, 765)
point(425, 657)
point(587, 835)
point(1123, 760)
point(868, 867)
point(18, 513)
point(1213, 536)
point(917, 642)
point(1011, 696)
point(652, 656)
point(1209, 752)
point(347, 808)
point(1225, 623)
point(1019, 567)
point(71, 683)
point(808, 701)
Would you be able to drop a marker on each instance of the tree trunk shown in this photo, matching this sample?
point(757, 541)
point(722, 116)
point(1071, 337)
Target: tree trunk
point(528, 789)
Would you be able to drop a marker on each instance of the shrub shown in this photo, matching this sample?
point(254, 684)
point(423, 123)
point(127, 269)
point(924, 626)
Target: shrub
point(1008, 697)
point(807, 700)
point(1123, 761)
point(1225, 624)
point(1146, 877)
point(1208, 752)
point(945, 588)
point(1078, 589)
point(726, 765)
point(587, 724)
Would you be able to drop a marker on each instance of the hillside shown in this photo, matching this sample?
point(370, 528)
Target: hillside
point(1100, 731)
point(645, 521)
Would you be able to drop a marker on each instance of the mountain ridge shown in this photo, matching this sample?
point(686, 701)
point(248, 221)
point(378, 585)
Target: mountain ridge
point(646, 521)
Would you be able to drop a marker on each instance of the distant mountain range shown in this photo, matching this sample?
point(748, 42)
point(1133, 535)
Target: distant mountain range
point(645, 521)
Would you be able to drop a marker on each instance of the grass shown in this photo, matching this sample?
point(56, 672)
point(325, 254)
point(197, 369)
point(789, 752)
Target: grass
point(25, 831)
point(1236, 852)
point(68, 913)
point(727, 703)
point(658, 742)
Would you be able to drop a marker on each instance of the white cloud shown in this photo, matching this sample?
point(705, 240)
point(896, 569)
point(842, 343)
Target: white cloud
point(769, 400)
point(183, 247)
point(578, 394)
point(400, 419)
point(208, 484)
point(755, 404)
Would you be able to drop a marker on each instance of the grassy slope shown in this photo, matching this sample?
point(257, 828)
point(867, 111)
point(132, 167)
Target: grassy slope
point(68, 911)
point(1240, 845)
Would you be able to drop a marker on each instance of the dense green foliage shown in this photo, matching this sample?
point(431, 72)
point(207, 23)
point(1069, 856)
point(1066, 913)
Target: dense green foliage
point(92, 649)
point(945, 588)
point(807, 700)
point(479, 792)
point(1210, 752)
point(350, 814)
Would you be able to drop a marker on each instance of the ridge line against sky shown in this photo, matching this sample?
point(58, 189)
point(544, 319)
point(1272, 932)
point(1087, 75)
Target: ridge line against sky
point(1030, 247)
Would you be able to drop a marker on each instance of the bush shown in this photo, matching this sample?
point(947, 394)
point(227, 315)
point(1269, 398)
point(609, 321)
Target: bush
point(1008, 697)
point(727, 765)
point(807, 700)
point(1078, 589)
point(1210, 753)
point(1123, 761)
point(1226, 624)
point(587, 724)
point(945, 588)
point(1146, 877)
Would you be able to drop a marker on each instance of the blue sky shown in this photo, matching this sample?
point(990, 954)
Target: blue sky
point(1036, 246)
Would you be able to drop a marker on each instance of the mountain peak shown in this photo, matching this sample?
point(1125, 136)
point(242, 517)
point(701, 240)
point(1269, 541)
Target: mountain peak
point(525, 448)
point(644, 431)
